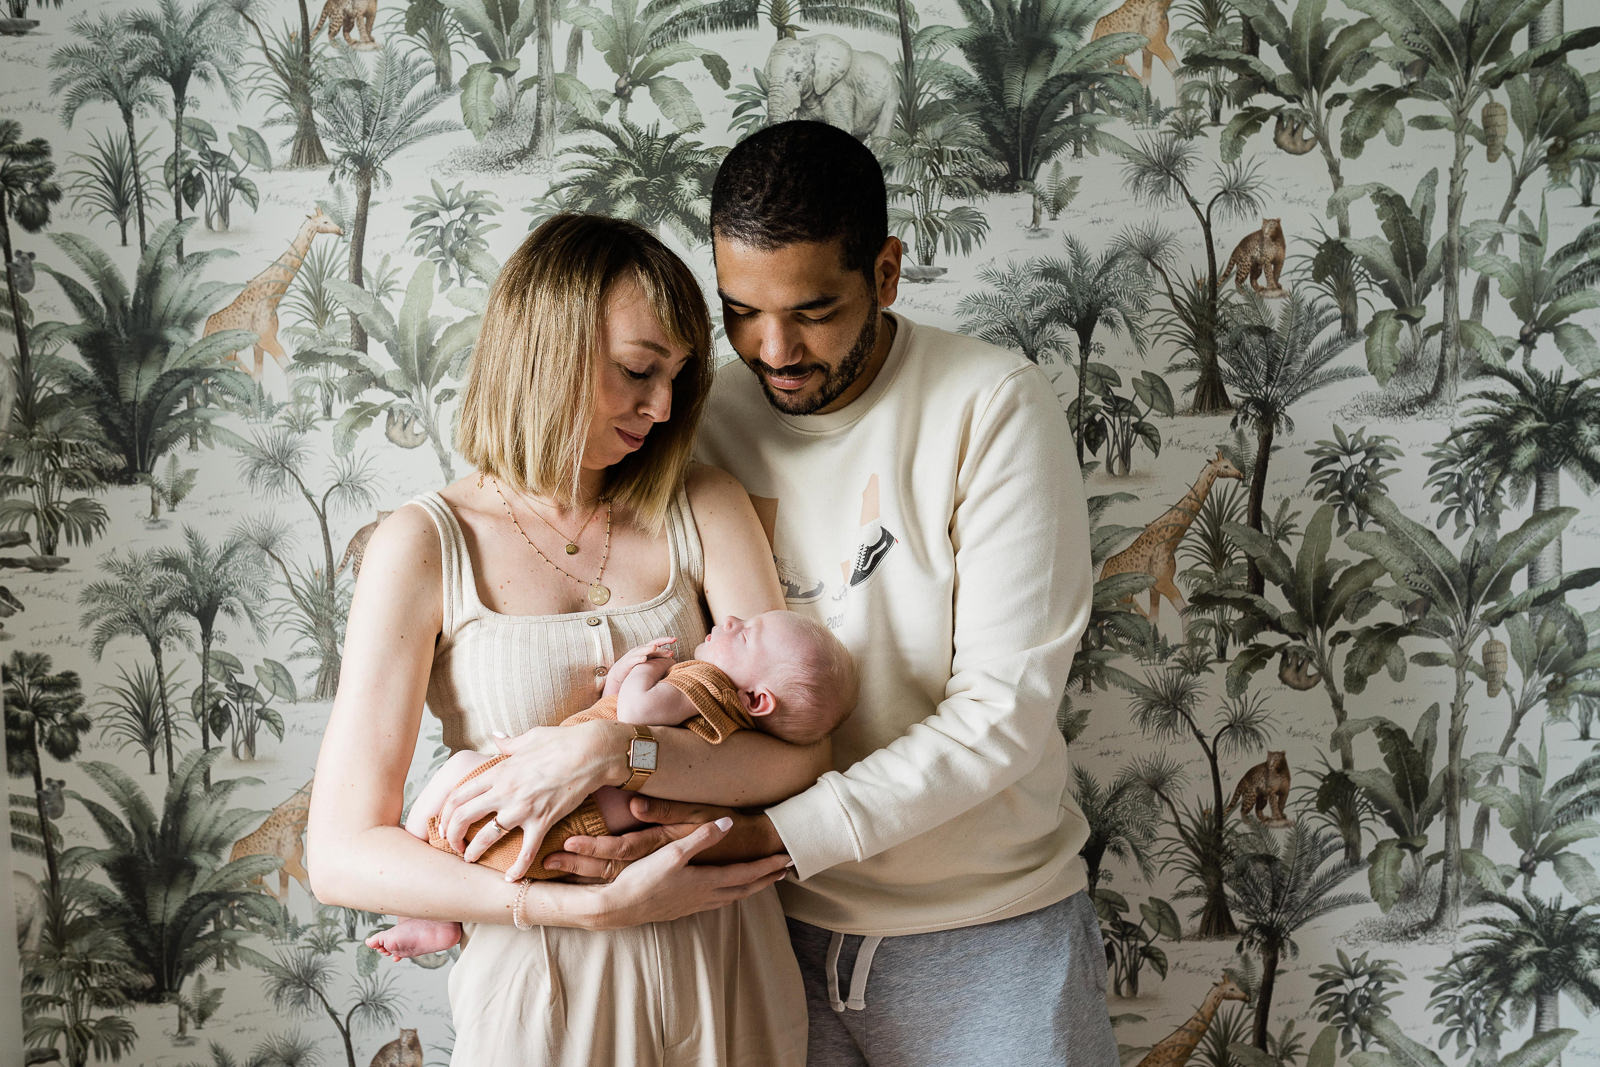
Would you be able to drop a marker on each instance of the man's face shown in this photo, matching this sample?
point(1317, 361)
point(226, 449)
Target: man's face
point(809, 328)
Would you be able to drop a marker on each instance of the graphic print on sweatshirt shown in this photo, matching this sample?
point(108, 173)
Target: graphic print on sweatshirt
point(873, 543)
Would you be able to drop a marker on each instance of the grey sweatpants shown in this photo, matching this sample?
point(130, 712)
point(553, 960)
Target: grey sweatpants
point(1023, 992)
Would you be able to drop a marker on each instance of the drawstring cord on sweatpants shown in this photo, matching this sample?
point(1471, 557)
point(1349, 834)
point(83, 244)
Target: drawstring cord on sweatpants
point(858, 974)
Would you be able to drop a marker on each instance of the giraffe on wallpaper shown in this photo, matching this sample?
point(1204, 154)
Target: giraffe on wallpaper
point(256, 307)
point(1175, 1049)
point(1153, 551)
point(1147, 17)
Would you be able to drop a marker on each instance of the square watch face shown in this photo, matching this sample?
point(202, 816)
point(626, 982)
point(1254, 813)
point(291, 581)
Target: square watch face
point(642, 754)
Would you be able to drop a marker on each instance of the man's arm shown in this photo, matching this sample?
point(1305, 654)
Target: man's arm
point(1020, 603)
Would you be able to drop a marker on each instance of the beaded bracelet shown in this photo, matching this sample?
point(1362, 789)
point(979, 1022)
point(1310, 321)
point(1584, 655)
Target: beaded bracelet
point(519, 920)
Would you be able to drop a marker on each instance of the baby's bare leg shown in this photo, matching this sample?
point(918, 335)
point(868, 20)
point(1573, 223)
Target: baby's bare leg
point(418, 937)
point(613, 805)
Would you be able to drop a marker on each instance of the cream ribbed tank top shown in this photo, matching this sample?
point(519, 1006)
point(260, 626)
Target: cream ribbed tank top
point(513, 672)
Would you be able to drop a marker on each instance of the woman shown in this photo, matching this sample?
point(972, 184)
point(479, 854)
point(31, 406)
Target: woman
point(503, 599)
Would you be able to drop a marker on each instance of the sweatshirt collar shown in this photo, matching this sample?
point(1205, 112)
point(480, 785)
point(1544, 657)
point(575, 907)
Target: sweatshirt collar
point(852, 412)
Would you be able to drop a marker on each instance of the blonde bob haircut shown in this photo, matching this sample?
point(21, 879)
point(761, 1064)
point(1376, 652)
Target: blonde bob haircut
point(530, 389)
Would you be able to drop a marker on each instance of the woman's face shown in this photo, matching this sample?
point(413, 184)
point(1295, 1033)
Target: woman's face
point(633, 369)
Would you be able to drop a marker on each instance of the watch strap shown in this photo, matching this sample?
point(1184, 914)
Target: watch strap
point(639, 774)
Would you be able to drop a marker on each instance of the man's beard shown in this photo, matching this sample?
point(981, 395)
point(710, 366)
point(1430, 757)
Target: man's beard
point(835, 380)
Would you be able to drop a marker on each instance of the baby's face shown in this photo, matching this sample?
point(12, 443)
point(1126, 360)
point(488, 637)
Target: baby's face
point(746, 650)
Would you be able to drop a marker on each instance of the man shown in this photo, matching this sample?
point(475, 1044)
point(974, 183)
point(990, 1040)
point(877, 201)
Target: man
point(920, 494)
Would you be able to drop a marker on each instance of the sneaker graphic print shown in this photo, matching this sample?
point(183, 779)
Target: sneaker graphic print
point(874, 541)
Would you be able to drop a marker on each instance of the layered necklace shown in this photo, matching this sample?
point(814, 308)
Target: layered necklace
point(598, 593)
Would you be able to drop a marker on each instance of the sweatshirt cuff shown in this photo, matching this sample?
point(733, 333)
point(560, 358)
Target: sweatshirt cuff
point(816, 830)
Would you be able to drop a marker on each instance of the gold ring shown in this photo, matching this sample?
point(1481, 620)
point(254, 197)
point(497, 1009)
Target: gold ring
point(494, 822)
point(610, 872)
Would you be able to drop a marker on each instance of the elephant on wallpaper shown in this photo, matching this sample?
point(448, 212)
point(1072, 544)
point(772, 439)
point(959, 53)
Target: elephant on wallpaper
point(822, 77)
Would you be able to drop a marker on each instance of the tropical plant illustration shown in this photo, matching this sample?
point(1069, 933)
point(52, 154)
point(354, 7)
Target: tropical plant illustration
point(369, 120)
point(1388, 626)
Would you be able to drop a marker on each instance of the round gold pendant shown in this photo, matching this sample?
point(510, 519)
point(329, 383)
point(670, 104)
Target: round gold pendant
point(572, 550)
point(598, 594)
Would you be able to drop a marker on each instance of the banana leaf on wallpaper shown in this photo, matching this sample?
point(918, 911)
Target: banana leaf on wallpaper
point(1316, 283)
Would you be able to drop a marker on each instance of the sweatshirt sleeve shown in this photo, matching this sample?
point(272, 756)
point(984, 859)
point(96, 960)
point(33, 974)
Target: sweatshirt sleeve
point(1021, 601)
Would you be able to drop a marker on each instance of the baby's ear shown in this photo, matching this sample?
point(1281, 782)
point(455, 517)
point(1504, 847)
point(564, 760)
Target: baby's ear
point(759, 701)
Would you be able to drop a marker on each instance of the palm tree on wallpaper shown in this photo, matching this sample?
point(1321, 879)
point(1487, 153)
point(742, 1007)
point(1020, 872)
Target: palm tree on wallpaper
point(1554, 117)
point(1090, 292)
point(44, 710)
point(661, 181)
point(1546, 821)
point(1324, 598)
point(137, 601)
point(1165, 705)
point(1028, 66)
point(50, 451)
point(296, 72)
point(168, 874)
point(1122, 821)
point(1276, 887)
point(138, 364)
point(77, 968)
point(211, 582)
point(1405, 264)
point(429, 354)
point(26, 193)
point(1160, 170)
point(935, 156)
point(1532, 434)
point(1013, 311)
point(639, 54)
point(1547, 289)
point(1534, 956)
point(307, 980)
point(1557, 661)
point(276, 463)
point(369, 120)
point(1272, 363)
point(103, 66)
point(679, 18)
point(1464, 596)
point(1321, 58)
point(1457, 60)
point(181, 46)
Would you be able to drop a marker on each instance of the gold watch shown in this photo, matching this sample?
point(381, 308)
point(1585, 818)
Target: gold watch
point(642, 751)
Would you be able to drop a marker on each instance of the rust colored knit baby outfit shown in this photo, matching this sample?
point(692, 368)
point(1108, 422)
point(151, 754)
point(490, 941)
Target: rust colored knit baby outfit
point(719, 713)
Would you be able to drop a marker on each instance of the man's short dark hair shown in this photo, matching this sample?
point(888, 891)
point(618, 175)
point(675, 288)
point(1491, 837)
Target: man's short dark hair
point(803, 181)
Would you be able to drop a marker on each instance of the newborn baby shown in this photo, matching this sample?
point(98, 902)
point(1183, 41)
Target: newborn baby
point(779, 672)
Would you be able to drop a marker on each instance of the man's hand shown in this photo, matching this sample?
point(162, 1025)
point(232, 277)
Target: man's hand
point(753, 837)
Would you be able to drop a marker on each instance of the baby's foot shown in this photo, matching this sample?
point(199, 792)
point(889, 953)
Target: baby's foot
point(415, 937)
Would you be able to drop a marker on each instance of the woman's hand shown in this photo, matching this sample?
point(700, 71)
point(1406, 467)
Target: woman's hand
point(548, 772)
point(664, 886)
point(751, 836)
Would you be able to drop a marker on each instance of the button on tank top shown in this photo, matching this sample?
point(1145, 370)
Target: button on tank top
point(513, 672)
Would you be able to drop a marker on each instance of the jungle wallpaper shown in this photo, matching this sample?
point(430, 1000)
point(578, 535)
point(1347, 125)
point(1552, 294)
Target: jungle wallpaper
point(1315, 280)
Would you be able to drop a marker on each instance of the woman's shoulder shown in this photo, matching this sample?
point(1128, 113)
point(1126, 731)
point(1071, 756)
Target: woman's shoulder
point(407, 537)
point(709, 487)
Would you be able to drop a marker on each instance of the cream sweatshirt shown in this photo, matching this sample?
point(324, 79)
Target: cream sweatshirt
point(937, 526)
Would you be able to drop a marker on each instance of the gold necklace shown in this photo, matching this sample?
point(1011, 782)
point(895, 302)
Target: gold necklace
point(572, 542)
point(598, 593)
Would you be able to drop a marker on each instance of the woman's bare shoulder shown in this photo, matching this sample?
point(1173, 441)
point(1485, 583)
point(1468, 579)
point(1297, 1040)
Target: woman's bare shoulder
point(712, 487)
point(405, 546)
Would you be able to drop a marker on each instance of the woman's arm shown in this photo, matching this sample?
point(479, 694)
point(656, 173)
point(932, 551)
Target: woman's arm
point(359, 856)
point(750, 768)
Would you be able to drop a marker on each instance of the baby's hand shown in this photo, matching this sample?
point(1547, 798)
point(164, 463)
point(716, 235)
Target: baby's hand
point(659, 649)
